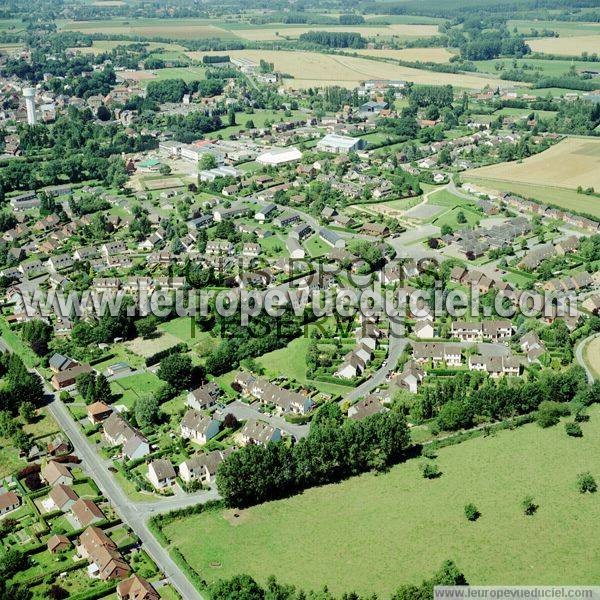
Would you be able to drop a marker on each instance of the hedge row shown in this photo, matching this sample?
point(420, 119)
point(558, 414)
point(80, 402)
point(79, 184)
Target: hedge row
point(156, 358)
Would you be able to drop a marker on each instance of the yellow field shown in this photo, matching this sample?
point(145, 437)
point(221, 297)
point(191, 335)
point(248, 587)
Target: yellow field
point(283, 31)
point(312, 69)
point(568, 164)
point(438, 55)
point(566, 46)
point(100, 46)
point(592, 356)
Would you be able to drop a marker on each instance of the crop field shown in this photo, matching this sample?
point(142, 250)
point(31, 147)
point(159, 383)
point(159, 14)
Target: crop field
point(408, 525)
point(567, 46)
point(571, 162)
point(100, 46)
point(438, 55)
point(279, 31)
point(541, 66)
point(563, 28)
point(592, 356)
point(312, 69)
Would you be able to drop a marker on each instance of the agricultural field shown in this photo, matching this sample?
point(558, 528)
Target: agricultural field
point(100, 46)
point(144, 76)
point(566, 46)
point(592, 356)
point(279, 31)
point(438, 55)
point(551, 68)
point(568, 164)
point(323, 535)
point(312, 69)
point(563, 28)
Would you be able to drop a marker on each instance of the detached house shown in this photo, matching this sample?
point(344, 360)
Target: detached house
point(198, 427)
point(119, 432)
point(85, 512)
point(54, 473)
point(161, 473)
point(106, 562)
point(204, 397)
point(202, 467)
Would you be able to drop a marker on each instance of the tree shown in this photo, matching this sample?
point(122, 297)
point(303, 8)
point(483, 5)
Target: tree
point(573, 429)
point(11, 562)
point(529, 506)
point(176, 370)
point(231, 117)
point(430, 470)
point(471, 512)
point(146, 327)
point(27, 412)
point(164, 170)
point(240, 587)
point(102, 389)
point(586, 483)
point(549, 413)
point(207, 162)
point(86, 386)
point(147, 411)
point(103, 113)
point(460, 217)
point(230, 421)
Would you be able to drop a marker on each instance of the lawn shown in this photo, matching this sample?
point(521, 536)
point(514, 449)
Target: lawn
point(408, 525)
point(133, 387)
point(316, 246)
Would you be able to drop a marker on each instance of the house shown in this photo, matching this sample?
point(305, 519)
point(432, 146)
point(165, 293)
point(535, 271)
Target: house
point(98, 412)
point(161, 473)
point(68, 377)
point(106, 562)
point(119, 432)
point(295, 249)
point(202, 467)
point(62, 497)
point(266, 212)
point(592, 304)
point(376, 229)
point(284, 400)
point(9, 501)
point(54, 473)
point(251, 249)
point(331, 238)
point(567, 246)
point(437, 352)
point(86, 512)
point(113, 248)
point(300, 231)
point(258, 432)
point(476, 331)
point(495, 366)
point(410, 378)
point(136, 588)
point(457, 274)
point(58, 543)
point(423, 329)
point(204, 397)
point(286, 219)
point(198, 427)
point(57, 446)
point(369, 405)
point(353, 366)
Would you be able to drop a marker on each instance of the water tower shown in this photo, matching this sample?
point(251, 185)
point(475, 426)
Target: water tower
point(29, 95)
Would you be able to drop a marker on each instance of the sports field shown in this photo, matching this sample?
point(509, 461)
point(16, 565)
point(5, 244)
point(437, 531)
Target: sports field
point(372, 533)
point(312, 69)
point(568, 164)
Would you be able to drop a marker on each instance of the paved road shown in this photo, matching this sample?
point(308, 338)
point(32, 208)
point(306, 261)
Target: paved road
point(134, 514)
point(581, 360)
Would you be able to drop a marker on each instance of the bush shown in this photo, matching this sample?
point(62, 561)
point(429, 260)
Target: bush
point(586, 483)
point(573, 429)
point(430, 470)
point(549, 413)
point(529, 505)
point(471, 512)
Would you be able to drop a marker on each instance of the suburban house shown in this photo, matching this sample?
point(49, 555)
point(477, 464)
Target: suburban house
point(9, 501)
point(67, 377)
point(438, 353)
point(202, 467)
point(161, 473)
point(58, 363)
point(58, 543)
point(136, 588)
point(106, 562)
point(62, 497)
point(258, 432)
point(411, 377)
point(118, 432)
point(423, 328)
point(54, 473)
point(204, 397)
point(198, 427)
point(369, 405)
point(477, 331)
point(98, 412)
point(495, 366)
point(86, 512)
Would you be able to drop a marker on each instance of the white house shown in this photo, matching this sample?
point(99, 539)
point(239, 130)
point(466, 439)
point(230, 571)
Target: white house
point(161, 473)
point(198, 427)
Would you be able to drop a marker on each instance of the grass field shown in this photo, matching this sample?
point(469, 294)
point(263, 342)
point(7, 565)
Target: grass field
point(551, 68)
point(563, 28)
point(133, 387)
point(592, 356)
point(571, 162)
point(144, 76)
point(99, 46)
point(566, 46)
point(407, 526)
point(438, 55)
point(312, 69)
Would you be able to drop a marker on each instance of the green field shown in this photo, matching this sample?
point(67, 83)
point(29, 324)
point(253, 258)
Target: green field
point(134, 386)
point(407, 526)
point(550, 68)
point(259, 118)
point(563, 28)
point(565, 198)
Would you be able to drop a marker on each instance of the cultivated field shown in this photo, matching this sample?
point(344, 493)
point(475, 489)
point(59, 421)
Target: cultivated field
point(145, 348)
point(312, 69)
point(100, 46)
point(372, 533)
point(571, 162)
point(566, 46)
point(592, 356)
point(563, 28)
point(277, 32)
point(438, 55)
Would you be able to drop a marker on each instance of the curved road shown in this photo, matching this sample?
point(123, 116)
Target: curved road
point(581, 360)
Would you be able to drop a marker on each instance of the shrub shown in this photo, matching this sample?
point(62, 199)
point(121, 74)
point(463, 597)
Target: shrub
point(549, 413)
point(529, 505)
point(586, 483)
point(471, 512)
point(573, 429)
point(430, 470)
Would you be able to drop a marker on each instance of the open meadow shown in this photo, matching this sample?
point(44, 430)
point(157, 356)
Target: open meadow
point(373, 533)
point(572, 162)
point(592, 356)
point(437, 55)
point(313, 69)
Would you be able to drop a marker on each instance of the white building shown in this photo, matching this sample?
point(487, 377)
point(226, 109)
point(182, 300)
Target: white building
point(340, 144)
point(279, 156)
